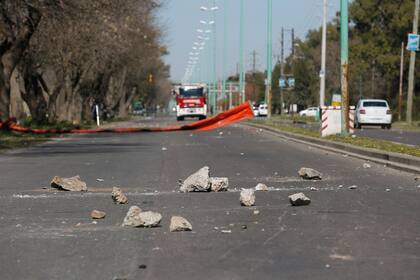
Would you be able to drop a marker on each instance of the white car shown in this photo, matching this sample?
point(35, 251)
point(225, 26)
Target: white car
point(263, 110)
point(310, 112)
point(255, 110)
point(373, 112)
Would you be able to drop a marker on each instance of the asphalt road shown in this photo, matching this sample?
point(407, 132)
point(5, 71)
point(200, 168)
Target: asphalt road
point(366, 233)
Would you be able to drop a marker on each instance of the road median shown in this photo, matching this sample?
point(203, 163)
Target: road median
point(395, 160)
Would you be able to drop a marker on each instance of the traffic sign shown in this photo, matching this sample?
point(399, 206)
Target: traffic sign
point(291, 82)
point(282, 83)
point(413, 42)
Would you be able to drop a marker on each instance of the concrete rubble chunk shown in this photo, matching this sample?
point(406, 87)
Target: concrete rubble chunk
point(310, 174)
point(366, 165)
point(261, 187)
point(353, 187)
point(73, 184)
point(118, 196)
point(97, 214)
point(197, 182)
point(299, 199)
point(219, 184)
point(247, 197)
point(132, 218)
point(179, 224)
point(150, 219)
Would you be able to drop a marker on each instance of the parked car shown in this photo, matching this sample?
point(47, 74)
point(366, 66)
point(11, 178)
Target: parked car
point(255, 110)
point(310, 112)
point(263, 110)
point(373, 112)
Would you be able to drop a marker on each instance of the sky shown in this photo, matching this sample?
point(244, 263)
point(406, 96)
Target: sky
point(181, 19)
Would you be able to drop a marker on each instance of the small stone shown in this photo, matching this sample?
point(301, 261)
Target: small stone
point(226, 231)
point(314, 189)
point(417, 178)
point(94, 222)
point(244, 226)
point(261, 187)
point(242, 154)
point(142, 266)
point(366, 165)
point(218, 184)
point(256, 212)
point(310, 174)
point(18, 225)
point(197, 182)
point(164, 149)
point(96, 214)
point(247, 197)
point(118, 196)
point(73, 184)
point(299, 199)
point(179, 224)
point(340, 186)
point(353, 136)
point(353, 187)
point(388, 190)
point(231, 225)
point(221, 133)
point(100, 180)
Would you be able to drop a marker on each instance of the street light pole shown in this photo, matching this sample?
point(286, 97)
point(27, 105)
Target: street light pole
point(213, 9)
point(269, 56)
point(241, 53)
point(344, 53)
point(412, 68)
point(225, 18)
point(324, 54)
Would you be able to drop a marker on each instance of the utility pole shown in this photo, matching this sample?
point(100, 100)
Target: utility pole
point(224, 64)
point(254, 70)
point(282, 71)
point(241, 53)
point(293, 42)
point(323, 59)
point(412, 68)
point(214, 58)
point(269, 56)
point(344, 54)
point(400, 96)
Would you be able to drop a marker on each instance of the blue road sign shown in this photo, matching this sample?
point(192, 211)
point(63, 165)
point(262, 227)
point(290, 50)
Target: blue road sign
point(282, 83)
point(291, 82)
point(413, 42)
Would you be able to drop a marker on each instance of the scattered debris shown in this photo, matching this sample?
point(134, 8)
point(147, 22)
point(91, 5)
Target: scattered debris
point(242, 154)
point(94, 222)
point(345, 155)
point(353, 136)
point(388, 190)
point(179, 224)
point(367, 166)
point(219, 184)
point(164, 149)
point(353, 187)
point(244, 226)
point(136, 218)
point(256, 212)
point(221, 133)
point(100, 180)
point(197, 182)
point(73, 184)
point(310, 174)
point(247, 197)
point(18, 225)
point(314, 189)
point(340, 186)
point(97, 214)
point(299, 199)
point(142, 266)
point(118, 196)
point(226, 231)
point(261, 187)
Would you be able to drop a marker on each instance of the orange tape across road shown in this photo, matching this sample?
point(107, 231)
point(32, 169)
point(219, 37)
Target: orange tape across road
point(241, 112)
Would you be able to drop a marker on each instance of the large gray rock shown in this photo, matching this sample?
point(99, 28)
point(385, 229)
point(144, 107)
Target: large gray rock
point(310, 174)
point(73, 184)
point(132, 218)
point(299, 199)
point(136, 218)
point(179, 224)
point(247, 197)
point(218, 184)
point(197, 182)
point(118, 196)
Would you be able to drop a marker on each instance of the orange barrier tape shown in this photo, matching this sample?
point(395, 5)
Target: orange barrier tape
point(241, 112)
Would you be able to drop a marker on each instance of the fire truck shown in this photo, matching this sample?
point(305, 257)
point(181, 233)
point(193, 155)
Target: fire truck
point(191, 101)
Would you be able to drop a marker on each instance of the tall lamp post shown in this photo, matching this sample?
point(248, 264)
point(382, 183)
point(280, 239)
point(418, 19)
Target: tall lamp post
point(241, 53)
point(344, 53)
point(268, 97)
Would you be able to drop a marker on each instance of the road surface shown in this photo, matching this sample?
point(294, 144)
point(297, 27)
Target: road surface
point(372, 232)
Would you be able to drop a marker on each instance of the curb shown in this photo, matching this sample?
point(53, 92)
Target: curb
point(394, 160)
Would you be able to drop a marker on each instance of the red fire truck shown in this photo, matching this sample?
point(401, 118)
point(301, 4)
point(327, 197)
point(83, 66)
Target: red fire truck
point(191, 101)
